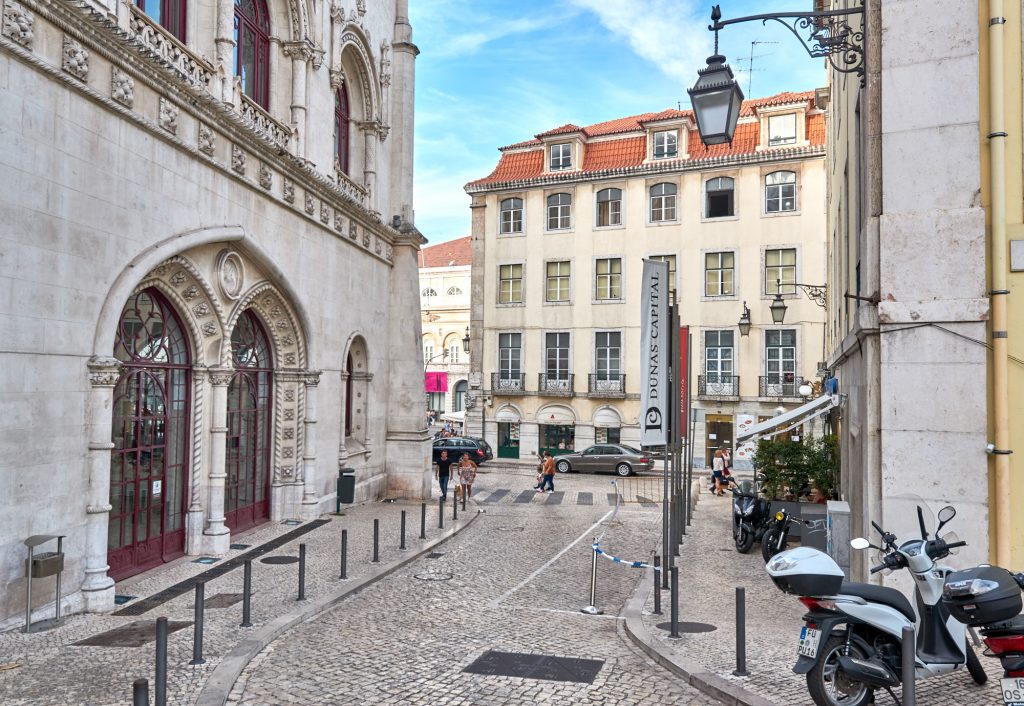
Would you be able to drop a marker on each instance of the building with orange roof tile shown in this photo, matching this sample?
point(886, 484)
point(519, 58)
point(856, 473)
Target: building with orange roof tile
point(561, 227)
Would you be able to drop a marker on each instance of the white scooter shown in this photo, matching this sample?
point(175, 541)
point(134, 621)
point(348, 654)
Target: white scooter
point(851, 642)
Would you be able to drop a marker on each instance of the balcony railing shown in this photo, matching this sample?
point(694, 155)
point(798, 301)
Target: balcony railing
point(560, 386)
point(263, 124)
point(191, 68)
point(605, 385)
point(778, 385)
point(718, 385)
point(507, 383)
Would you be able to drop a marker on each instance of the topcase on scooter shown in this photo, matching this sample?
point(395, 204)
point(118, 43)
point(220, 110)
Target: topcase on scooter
point(982, 595)
point(804, 571)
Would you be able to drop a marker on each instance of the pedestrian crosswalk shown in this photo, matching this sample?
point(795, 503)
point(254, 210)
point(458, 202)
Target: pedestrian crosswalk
point(583, 498)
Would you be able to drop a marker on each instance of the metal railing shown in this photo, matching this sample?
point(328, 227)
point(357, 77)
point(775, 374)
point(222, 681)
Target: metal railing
point(718, 385)
point(778, 385)
point(557, 386)
point(604, 385)
point(507, 383)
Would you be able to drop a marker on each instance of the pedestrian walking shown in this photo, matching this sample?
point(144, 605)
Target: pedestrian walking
point(444, 473)
point(718, 468)
point(467, 474)
point(549, 473)
point(540, 474)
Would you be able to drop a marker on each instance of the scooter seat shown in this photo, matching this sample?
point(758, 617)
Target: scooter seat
point(880, 594)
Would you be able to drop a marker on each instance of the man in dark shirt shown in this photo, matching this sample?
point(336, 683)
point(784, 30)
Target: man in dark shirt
point(444, 473)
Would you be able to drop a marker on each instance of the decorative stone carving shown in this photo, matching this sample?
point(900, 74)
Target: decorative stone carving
point(264, 125)
point(178, 278)
point(237, 159)
point(287, 452)
point(190, 293)
point(385, 65)
point(289, 395)
point(210, 328)
point(187, 66)
point(353, 230)
point(75, 58)
point(206, 139)
point(339, 221)
point(289, 358)
point(378, 245)
point(104, 372)
point(361, 7)
point(289, 190)
point(310, 205)
point(221, 376)
point(337, 77)
point(201, 309)
point(266, 177)
point(275, 311)
point(230, 274)
point(311, 378)
point(325, 213)
point(389, 253)
point(366, 238)
point(289, 415)
point(18, 24)
point(168, 116)
point(287, 339)
point(122, 87)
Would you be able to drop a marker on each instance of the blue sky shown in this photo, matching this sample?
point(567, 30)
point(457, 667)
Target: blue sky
point(495, 72)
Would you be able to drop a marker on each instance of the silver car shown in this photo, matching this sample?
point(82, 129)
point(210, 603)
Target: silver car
point(605, 458)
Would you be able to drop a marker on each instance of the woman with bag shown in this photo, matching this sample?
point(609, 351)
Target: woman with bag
point(467, 474)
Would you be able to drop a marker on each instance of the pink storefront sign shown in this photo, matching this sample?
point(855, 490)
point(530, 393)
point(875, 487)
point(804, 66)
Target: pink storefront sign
point(436, 382)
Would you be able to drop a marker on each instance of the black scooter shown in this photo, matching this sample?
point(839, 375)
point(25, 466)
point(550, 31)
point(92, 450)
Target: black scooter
point(776, 537)
point(751, 514)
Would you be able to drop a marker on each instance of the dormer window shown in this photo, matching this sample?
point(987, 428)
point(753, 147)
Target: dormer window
point(782, 130)
point(561, 156)
point(665, 144)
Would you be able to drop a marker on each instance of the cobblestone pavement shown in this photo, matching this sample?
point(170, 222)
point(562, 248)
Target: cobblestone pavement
point(517, 582)
point(711, 568)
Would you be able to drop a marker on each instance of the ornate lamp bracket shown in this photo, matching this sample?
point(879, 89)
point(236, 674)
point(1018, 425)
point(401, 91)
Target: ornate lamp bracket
point(815, 293)
point(830, 34)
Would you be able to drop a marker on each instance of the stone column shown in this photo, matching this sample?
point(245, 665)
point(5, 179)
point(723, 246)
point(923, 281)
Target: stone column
point(217, 535)
point(370, 138)
point(97, 587)
point(300, 54)
point(225, 41)
point(310, 501)
point(402, 109)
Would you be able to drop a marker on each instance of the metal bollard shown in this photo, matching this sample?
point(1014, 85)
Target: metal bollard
point(741, 633)
point(909, 649)
point(593, 609)
point(376, 541)
point(423, 520)
point(246, 594)
point(657, 585)
point(140, 692)
point(302, 572)
point(344, 555)
point(440, 513)
point(160, 686)
point(675, 602)
point(197, 627)
point(464, 499)
point(455, 508)
point(402, 545)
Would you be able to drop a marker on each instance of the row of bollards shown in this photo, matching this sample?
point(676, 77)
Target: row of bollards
point(140, 687)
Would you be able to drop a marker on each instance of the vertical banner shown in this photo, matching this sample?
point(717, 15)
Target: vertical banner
point(684, 377)
point(654, 349)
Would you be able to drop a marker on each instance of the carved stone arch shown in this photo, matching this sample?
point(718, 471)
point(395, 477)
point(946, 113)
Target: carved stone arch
point(356, 60)
point(356, 346)
point(510, 413)
point(280, 321)
point(356, 398)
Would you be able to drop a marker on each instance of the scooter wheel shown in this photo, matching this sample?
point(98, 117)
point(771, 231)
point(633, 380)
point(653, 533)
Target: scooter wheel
point(828, 685)
point(768, 542)
point(744, 540)
point(974, 666)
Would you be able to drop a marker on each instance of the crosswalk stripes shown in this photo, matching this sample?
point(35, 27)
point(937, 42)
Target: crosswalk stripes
point(583, 498)
point(525, 496)
point(555, 498)
point(497, 495)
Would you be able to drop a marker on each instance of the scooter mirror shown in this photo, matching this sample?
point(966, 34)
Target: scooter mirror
point(945, 515)
point(860, 543)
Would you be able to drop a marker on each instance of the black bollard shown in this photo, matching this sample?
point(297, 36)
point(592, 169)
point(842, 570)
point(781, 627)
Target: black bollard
point(140, 692)
point(302, 572)
point(197, 627)
point(344, 555)
point(423, 520)
point(464, 499)
point(741, 633)
point(909, 650)
point(675, 602)
point(455, 508)
point(440, 513)
point(402, 545)
point(376, 541)
point(657, 586)
point(160, 686)
point(246, 594)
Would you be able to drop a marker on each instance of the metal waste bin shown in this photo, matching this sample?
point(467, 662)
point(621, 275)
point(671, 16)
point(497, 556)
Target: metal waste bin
point(346, 487)
point(39, 566)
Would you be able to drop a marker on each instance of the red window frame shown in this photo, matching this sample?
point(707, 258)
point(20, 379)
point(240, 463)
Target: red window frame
point(169, 14)
point(252, 35)
point(348, 397)
point(342, 116)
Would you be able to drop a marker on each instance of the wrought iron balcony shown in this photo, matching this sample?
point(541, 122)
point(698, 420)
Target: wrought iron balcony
point(507, 383)
point(605, 385)
point(560, 386)
point(778, 385)
point(718, 385)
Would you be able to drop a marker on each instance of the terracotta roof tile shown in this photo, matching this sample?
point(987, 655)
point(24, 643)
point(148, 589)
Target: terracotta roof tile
point(454, 252)
point(519, 162)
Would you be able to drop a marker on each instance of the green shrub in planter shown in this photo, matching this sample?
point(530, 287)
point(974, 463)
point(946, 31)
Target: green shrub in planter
point(788, 464)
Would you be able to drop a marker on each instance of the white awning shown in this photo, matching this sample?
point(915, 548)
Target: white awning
point(459, 417)
point(790, 419)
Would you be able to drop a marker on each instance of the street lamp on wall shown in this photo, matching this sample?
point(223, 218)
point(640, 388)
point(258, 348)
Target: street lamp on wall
point(778, 307)
point(465, 341)
point(744, 324)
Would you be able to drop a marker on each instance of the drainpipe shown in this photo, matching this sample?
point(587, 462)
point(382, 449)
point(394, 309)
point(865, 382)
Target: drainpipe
point(1000, 383)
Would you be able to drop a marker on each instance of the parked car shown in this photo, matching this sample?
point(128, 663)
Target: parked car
point(608, 458)
point(478, 449)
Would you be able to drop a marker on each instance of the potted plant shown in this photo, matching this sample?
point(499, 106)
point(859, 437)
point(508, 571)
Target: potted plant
point(793, 470)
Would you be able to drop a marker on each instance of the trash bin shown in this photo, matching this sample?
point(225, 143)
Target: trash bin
point(346, 486)
point(39, 566)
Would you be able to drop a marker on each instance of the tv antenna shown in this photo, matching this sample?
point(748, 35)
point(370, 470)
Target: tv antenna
point(750, 63)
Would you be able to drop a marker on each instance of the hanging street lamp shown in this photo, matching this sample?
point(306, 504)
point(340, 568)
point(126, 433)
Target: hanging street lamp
point(778, 308)
point(744, 324)
point(465, 341)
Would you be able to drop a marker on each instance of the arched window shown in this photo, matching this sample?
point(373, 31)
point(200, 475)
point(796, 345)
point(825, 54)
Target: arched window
point(718, 199)
point(511, 220)
point(663, 202)
point(780, 192)
point(454, 348)
point(247, 487)
point(149, 461)
point(169, 14)
point(459, 403)
point(429, 292)
point(348, 396)
point(454, 291)
point(609, 207)
point(252, 49)
point(341, 125)
point(559, 211)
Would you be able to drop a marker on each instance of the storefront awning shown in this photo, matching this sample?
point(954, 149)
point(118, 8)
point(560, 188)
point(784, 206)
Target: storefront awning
point(790, 419)
point(459, 417)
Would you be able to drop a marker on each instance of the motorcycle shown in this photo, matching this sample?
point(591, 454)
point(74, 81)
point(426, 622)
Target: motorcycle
point(989, 598)
point(777, 535)
point(850, 645)
point(750, 513)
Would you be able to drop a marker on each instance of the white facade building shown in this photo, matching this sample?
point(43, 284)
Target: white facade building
point(207, 276)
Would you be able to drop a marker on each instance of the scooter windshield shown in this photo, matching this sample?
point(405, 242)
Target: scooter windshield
point(905, 514)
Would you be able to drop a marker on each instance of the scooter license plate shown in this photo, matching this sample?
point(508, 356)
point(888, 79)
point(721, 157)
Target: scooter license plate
point(809, 638)
point(1013, 691)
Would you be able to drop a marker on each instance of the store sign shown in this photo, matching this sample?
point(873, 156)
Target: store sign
point(435, 382)
point(655, 349)
point(684, 378)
